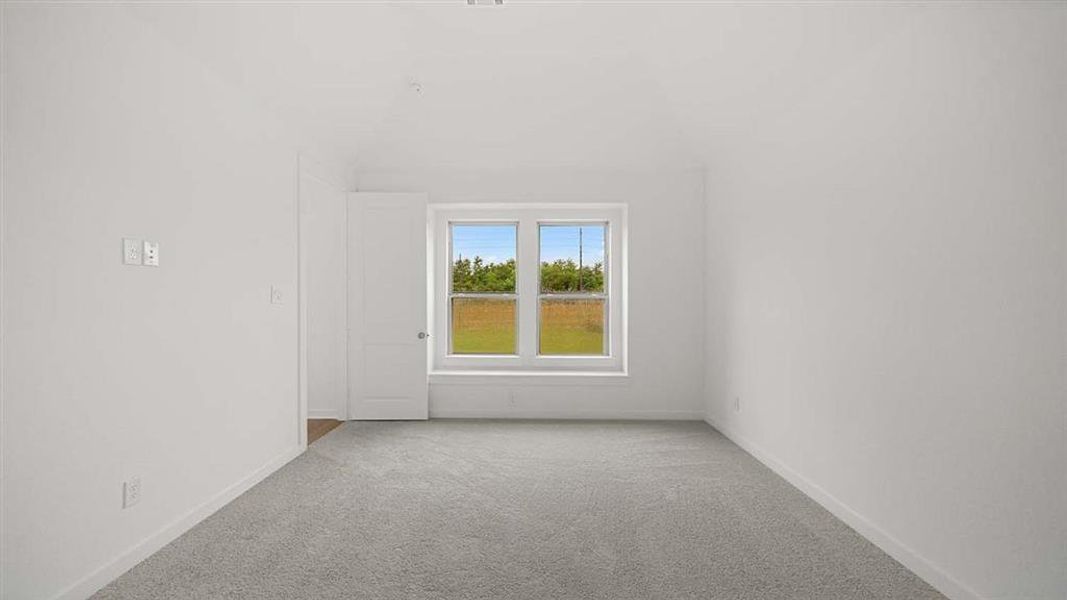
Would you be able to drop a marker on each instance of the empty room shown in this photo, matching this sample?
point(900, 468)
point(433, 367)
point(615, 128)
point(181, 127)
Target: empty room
point(533, 300)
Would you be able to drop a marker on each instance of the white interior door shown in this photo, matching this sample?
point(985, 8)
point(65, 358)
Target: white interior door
point(387, 345)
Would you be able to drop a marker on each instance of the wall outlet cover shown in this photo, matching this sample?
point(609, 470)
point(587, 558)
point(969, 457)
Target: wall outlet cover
point(276, 295)
point(131, 251)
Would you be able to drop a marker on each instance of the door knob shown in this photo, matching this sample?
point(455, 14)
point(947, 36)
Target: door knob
point(423, 335)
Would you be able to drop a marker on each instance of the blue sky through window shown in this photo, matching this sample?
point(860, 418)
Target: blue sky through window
point(562, 242)
point(496, 243)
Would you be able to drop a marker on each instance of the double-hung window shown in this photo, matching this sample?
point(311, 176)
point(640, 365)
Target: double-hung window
point(483, 303)
point(529, 288)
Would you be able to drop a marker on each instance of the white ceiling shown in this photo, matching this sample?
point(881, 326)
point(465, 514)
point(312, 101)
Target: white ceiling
point(401, 85)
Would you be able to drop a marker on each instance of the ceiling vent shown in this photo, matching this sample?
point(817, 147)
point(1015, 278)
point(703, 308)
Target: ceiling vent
point(485, 2)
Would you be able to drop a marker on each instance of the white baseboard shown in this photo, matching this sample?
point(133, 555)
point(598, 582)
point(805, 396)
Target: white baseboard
point(92, 583)
point(324, 413)
point(624, 415)
point(928, 571)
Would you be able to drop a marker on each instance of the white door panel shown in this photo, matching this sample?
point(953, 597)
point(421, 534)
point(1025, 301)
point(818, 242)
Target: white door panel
point(387, 306)
point(388, 373)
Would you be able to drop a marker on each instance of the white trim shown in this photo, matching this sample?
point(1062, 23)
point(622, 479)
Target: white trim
point(524, 378)
point(918, 564)
point(325, 413)
point(90, 584)
point(303, 384)
point(344, 410)
point(568, 414)
point(494, 206)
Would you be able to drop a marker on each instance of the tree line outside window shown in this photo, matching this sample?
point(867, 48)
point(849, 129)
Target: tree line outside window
point(561, 276)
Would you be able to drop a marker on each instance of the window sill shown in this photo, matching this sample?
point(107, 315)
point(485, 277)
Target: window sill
point(466, 377)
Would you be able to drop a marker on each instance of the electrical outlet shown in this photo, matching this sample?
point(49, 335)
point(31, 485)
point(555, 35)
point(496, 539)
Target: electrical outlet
point(276, 295)
point(131, 251)
point(131, 492)
point(151, 254)
point(737, 404)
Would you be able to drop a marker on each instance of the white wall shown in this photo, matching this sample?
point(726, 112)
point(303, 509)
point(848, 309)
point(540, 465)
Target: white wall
point(887, 295)
point(665, 295)
point(323, 239)
point(184, 374)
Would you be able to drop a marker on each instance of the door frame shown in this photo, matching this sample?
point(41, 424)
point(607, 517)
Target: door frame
point(309, 167)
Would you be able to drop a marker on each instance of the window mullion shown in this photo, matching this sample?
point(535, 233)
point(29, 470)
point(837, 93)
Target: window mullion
point(527, 288)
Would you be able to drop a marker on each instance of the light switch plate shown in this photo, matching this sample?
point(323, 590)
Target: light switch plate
point(276, 296)
point(131, 251)
point(151, 254)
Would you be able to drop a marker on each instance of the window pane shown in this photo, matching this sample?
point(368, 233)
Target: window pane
point(572, 326)
point(483, 326)
point(572, 258)
point(483, 258)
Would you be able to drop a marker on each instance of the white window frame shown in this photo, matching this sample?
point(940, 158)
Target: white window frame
point(528, 218)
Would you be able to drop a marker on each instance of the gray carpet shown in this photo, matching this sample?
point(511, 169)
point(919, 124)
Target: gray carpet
point(521, 510)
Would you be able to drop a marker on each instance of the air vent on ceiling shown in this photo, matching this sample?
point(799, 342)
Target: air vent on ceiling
point(485, 2)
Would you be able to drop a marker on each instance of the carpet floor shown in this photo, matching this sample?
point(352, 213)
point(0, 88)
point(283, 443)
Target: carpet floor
point(536, 510)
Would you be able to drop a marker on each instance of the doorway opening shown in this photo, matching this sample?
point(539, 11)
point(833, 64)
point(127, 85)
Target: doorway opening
point(320, 427)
